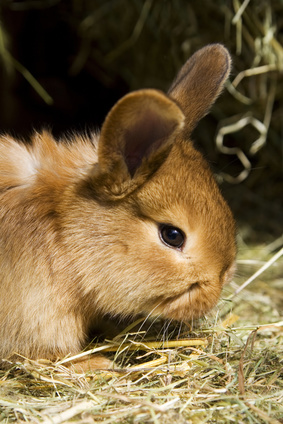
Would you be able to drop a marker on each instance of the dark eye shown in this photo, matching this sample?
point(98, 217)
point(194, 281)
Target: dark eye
point(172, 236)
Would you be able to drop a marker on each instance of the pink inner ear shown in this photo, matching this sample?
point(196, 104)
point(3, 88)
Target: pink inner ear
point(148, 133)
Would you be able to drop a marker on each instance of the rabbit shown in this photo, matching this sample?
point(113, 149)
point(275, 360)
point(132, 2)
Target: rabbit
point(122, 222)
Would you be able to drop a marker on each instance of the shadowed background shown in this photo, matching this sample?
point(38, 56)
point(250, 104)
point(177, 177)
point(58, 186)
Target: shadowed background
point(65, 63)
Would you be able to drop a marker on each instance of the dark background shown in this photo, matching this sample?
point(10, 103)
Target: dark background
point(87, 54)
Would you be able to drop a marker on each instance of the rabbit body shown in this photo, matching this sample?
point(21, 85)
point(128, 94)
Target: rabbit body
point(90, 226)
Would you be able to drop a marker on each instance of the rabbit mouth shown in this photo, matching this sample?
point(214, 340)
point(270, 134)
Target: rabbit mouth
point(191, 303)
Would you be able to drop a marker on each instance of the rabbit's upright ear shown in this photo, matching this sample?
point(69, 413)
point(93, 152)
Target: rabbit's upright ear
point(135, 139)
point(200, 81)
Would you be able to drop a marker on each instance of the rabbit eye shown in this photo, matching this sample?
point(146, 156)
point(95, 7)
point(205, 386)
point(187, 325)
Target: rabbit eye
point(172, 236)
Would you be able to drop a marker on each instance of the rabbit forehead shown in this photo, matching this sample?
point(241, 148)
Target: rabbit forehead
point(183, 188)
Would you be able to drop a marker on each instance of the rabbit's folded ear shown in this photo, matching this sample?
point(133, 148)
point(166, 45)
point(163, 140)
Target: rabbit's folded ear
point(199, 82)
point(135, 139)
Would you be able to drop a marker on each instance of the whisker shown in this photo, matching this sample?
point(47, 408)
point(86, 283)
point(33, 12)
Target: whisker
point(165, 332)
point(153, 322)
point(180, 328)
point(148, 315)
point(145, 320)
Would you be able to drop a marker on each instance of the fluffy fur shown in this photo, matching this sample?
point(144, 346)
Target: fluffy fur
point(80, 219)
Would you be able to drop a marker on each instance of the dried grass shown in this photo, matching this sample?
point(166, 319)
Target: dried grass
point(235, 373)
point(228, 368)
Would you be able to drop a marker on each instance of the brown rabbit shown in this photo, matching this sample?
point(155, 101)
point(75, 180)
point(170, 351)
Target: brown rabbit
point(127, 221)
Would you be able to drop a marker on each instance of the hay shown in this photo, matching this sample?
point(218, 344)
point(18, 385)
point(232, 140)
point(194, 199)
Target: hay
point(236, 373)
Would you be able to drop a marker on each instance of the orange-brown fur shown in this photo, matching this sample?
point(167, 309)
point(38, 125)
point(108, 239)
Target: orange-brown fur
point(79, 219)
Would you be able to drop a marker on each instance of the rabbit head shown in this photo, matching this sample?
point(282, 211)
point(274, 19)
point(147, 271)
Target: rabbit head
point(156, 235)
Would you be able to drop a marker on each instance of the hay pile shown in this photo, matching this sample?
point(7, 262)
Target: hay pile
point(237, 375)
point(228, 368)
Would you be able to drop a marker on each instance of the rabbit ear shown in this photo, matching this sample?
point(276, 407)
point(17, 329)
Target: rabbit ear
point(200, 81)
point(135, 139)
